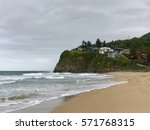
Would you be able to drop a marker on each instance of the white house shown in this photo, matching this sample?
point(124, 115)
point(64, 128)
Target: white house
point(105, 50)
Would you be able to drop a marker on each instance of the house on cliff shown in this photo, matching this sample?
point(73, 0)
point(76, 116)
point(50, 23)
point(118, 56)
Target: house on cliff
point(108, 51)
point(113, 53)
point(142, 56)
point(105, 50)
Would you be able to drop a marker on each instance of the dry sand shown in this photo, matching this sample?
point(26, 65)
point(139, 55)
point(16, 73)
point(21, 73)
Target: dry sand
point(133, 96)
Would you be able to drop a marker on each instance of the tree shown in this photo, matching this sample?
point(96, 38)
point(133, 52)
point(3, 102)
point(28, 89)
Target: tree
point(104, 44)
point(89, 44)
point(84, 43)
point(98, 43)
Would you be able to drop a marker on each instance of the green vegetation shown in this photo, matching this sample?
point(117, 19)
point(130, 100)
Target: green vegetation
point(83, 59)
point(77, 61)
point(74, 61)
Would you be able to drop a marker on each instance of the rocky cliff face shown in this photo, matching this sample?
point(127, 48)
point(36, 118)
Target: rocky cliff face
point(77, 61)
point(73, 62)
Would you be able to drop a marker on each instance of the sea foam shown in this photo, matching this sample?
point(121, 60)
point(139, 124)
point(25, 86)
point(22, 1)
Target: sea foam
point(24, 89)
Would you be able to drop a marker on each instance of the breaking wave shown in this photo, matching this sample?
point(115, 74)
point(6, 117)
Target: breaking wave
point(27, 89)
point(6, 82)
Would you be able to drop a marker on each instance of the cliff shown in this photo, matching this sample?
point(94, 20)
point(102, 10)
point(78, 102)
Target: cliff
point(74, 61)
point(84, 58)
point(78, 61)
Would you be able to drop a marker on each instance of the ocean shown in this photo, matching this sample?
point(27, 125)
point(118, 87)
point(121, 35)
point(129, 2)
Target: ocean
point(21, 89)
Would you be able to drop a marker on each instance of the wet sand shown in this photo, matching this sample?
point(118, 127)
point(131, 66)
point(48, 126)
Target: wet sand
point(132, 97)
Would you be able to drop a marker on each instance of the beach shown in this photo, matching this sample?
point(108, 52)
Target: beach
point(130, 97)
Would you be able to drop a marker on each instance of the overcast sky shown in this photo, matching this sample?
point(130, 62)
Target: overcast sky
point(33, 33)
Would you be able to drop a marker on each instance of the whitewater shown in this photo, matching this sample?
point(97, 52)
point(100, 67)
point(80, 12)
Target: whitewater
point(21, 89)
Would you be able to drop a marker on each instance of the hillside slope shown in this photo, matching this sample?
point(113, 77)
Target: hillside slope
point(76, 61)
point(84, 59)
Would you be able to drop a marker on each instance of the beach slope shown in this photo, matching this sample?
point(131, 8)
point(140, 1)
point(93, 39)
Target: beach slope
point(133, 96)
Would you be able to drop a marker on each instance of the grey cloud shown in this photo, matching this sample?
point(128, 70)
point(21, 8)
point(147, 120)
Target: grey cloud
point(37, 31)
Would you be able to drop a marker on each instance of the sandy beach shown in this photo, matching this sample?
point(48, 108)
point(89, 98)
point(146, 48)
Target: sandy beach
point(133, 96)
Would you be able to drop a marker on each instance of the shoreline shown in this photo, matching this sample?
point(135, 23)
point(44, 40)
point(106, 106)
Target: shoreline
point(43, 107)
point(132, 97)
point(50, 105)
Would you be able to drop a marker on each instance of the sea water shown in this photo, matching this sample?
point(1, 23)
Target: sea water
point(21, 89)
